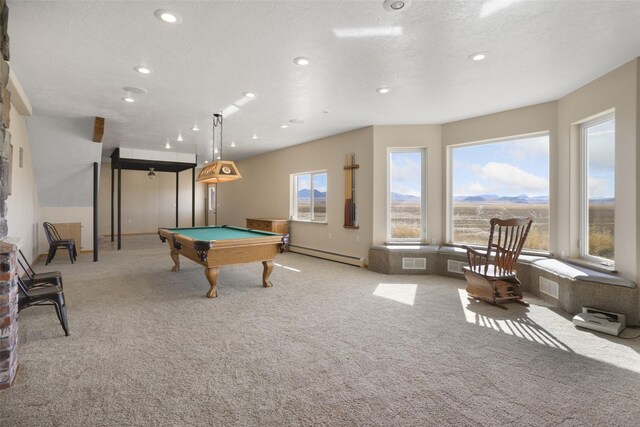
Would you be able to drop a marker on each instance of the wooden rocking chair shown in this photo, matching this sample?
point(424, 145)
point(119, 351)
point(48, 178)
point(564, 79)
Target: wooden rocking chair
point(491, 276)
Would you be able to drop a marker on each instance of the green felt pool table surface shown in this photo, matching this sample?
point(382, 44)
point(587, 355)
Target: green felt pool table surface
point(219, 233)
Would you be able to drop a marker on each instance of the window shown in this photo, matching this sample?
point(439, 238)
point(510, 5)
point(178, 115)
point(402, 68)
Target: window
point(598, 189)
point(502, 179)
point(406, 198)
point(309, 196)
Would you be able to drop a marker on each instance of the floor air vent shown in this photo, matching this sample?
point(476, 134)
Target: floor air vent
point(549, 287)
point(455, 266)
point(414, 263)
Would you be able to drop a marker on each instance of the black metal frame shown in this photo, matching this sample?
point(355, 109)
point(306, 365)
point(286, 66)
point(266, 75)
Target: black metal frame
point(143, 165)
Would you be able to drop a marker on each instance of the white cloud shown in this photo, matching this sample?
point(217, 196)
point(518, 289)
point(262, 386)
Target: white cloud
point(528, 148)
point(471, 189)
point(510, 180)
point(602, 155)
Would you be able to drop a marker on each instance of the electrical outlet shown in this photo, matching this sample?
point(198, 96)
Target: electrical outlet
point(329, 235)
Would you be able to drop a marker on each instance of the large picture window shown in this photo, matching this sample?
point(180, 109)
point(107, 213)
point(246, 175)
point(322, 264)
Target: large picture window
point(309, 196)
point(598, 189)
point(500, 179)
point(406, 198)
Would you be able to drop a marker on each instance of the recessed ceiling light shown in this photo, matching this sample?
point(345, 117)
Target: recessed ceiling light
point(296, 121)
point(179, 138)
point(395, 5)
point(168, 16)
point(301, 60)
point(254, 136)
point(195, 128)
point(249, 94)
point(128, 99)
point(233, 144)
point(206, 161)
point(167, 146)
point(142, 69)
point(383, 90)
point(478, 56)
point(284, 126)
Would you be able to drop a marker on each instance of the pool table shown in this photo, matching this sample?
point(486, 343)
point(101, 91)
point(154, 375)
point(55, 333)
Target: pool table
point(213, 247)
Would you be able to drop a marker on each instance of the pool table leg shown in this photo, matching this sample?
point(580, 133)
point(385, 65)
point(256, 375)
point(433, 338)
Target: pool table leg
point(266, 272)
point(212, 277)
point(176, 260)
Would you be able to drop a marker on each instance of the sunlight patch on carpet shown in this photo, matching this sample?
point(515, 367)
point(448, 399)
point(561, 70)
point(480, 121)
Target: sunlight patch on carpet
point(286, 268)
point(520, 326)
point(404, 293)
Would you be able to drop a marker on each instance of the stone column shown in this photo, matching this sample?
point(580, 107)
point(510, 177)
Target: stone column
point(8, 314)
point(8, 269)
point(6, 152)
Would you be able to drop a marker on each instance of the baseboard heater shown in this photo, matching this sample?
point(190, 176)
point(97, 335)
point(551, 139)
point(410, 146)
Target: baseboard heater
point(332, 256)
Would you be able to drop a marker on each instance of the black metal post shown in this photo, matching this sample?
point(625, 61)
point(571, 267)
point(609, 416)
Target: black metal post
point(95, 211)
point(112, 192)
point(119, 207)
point(177, 192)
point(193, 197)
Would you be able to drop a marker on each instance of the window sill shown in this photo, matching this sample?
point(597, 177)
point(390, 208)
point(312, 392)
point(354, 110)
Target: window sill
point(592, 265)
point(302, 221)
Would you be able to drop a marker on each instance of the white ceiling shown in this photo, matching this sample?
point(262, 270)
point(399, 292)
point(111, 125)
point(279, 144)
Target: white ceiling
point(74, 58)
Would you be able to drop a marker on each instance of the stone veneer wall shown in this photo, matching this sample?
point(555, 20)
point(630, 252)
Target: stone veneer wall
point(6, 151)
point(8, 287)
point(8, 314)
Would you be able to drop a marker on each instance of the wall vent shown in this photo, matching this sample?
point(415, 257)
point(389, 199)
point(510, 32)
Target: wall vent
point(549, 287)
point(414, 263)
point(455, 266)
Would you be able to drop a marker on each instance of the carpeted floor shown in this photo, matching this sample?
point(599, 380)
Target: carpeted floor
point(328, 344)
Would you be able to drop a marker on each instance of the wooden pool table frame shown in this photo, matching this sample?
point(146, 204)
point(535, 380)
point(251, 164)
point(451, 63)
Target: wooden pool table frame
point(215, 253)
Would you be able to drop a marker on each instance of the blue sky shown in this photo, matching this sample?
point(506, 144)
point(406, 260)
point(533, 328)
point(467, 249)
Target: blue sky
point(601, 153)
point(406, 172)
point(319, 182)
point(506, 168)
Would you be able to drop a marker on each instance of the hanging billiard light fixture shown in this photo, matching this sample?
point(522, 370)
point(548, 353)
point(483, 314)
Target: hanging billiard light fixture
point(218, 170)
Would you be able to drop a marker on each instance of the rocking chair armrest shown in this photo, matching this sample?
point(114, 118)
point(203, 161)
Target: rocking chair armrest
point(475, 257)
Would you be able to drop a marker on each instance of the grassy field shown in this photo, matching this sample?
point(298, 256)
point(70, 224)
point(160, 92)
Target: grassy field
point(319, 207)
point(471, 224)
point(601, 230)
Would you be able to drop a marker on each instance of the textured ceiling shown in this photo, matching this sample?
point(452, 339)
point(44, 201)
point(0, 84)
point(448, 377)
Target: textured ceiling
point(74, 58)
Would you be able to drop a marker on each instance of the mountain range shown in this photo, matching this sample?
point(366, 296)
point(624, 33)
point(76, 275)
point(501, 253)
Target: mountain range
point(482, 198)
point(494, 198)
point(305, 192)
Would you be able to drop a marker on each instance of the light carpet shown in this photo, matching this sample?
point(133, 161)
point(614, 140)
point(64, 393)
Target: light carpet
point(328, 344)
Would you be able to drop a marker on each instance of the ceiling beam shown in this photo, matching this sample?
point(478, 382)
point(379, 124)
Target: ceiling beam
point(98, 129)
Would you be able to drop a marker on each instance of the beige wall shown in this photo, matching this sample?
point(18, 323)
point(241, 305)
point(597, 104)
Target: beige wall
point(263, 191)
point(413, 136)
point(616, 90)
point(22, 204)
point(148, 204)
